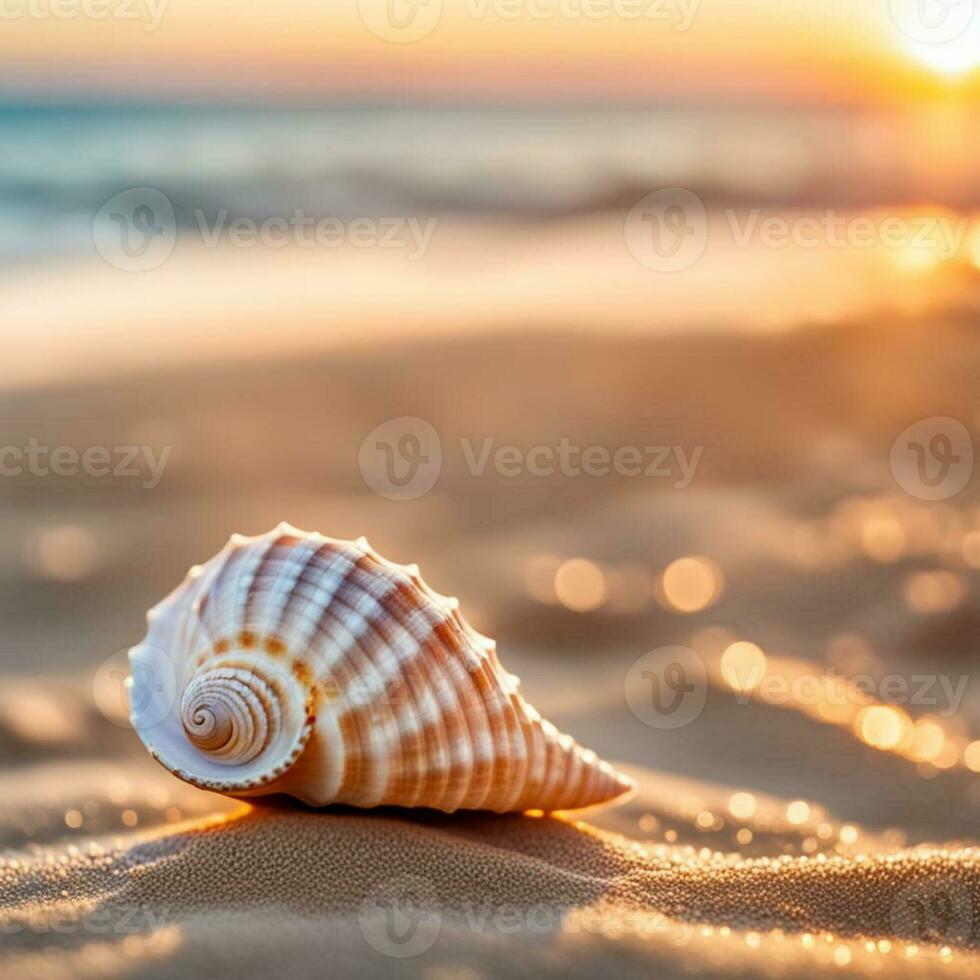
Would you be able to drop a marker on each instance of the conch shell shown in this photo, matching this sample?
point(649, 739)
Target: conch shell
point(295, 663)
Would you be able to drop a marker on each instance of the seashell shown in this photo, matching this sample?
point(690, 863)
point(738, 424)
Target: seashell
point(295, 663)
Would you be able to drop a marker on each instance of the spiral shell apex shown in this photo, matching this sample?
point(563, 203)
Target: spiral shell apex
point(296, 663)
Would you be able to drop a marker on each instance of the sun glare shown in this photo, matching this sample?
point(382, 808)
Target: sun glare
point(952, 58)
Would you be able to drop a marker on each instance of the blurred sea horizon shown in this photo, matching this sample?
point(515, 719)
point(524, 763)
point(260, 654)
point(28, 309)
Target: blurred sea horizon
point(59, 162)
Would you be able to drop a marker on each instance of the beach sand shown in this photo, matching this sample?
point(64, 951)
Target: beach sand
point(203, 885)
point(846, 857)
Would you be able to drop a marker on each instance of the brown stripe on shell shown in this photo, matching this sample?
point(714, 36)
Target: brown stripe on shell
point(432, 778)
point(357, 661)
point(480, 712)
point(443, 787)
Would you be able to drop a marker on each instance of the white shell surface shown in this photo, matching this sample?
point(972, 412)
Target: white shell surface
point(295, 663)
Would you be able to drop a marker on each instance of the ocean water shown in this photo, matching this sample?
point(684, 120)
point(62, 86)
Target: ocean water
point(60, 163)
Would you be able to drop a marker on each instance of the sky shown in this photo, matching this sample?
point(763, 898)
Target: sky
point(745, 51)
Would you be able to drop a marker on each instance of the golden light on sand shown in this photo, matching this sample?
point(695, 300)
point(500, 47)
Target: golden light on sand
point(971, 756)
point(117, 789)
point(743, 665)
point(882, 538)
point(798, 685)
point(970, 547)
point(933, 592)
point(65, 552)
point(580, 585)
point(947, 757)
point(928, 740)
point(918, 258)
point(973, 245)
point(648, 823)
point(798, 812)
point(691, 584)
point(38, 716)
point(742, 806)
point(881, 726)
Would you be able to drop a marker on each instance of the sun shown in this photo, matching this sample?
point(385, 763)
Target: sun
point(944, 35)
point(952, 58)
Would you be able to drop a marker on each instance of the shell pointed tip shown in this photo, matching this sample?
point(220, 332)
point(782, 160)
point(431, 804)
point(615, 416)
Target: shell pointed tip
point(625, 786)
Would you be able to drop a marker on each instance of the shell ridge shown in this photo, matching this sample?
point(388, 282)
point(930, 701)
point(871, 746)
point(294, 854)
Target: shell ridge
point(486, 758)
point(223, 596)
point(405, 694)
point(450, 760)
point(297, 597)
point(271, 612)
point(518, 751)
point(266, 567)
point(503, 754)
point(407, 662)
point(549, 767)
point(459, 741)
point(352, 660)
point(333, 638)
point(197, 624)
point(308, 618)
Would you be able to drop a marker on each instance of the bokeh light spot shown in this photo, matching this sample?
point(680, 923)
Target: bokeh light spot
point(743, 665)
point(580, 585)
point(691, 584)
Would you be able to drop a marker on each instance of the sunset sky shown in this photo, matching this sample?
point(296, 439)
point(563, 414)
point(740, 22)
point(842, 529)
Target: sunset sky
point(755, 51)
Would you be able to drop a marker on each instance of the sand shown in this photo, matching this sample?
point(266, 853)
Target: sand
point(203, 885)
point(110, 867)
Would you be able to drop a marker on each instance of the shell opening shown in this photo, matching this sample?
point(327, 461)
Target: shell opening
point(237, 724)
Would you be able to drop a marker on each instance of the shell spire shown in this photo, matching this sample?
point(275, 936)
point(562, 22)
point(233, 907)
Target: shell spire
point(296, 663)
